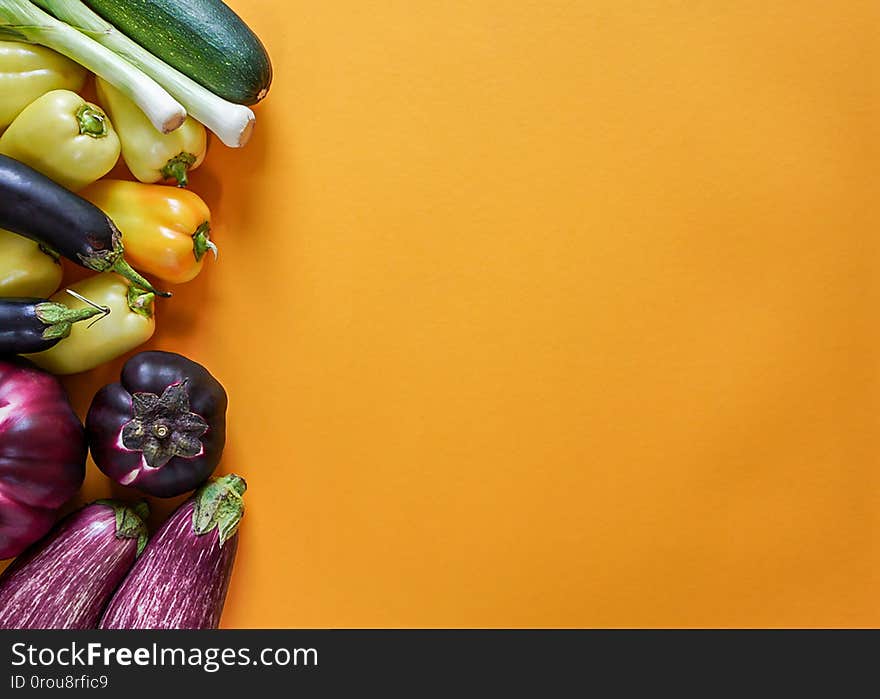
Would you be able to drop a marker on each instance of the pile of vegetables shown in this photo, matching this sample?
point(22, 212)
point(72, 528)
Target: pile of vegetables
point(165, 75)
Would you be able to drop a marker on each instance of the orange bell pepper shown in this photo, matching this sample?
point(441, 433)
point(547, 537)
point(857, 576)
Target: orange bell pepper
point(165, 230)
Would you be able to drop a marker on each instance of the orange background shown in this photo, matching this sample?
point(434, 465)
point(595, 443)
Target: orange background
point(550, 313)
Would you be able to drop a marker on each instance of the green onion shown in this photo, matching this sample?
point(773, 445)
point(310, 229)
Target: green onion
point(21, 20)
point(232, 123)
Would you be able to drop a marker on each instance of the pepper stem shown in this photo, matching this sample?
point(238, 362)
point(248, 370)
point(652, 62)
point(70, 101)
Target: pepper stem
point(92, 121)
point(130, 521)
point(122, 268)
point(140, 301)
point(59, 319)
point(219, 504)
point(202, 242)
point(177, 168)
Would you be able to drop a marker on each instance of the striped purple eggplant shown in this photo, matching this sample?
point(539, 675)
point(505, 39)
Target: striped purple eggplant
point(181, 580)
point(65, 580)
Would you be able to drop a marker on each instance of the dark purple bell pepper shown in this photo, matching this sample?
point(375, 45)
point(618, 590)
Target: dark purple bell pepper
point(42, 454)
point(162, 429)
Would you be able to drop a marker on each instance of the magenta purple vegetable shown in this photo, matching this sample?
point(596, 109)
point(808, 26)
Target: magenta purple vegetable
point(180, 581)
point(42, 454)
point(66, 580)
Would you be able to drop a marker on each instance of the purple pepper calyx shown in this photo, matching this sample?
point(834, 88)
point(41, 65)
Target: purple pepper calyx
point(130, 521)
point(219, 504)
point(164, 427)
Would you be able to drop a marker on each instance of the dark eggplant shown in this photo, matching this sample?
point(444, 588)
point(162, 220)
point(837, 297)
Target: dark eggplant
point(35, 325)
point(65, 580)
point(180, 581)
point(162, 429)
point(35, 207)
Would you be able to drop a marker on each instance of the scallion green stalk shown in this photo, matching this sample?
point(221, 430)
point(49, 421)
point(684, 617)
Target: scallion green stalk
point(232, 123)
point(23, 21)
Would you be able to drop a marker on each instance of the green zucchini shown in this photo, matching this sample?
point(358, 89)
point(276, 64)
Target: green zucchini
point(203, 39)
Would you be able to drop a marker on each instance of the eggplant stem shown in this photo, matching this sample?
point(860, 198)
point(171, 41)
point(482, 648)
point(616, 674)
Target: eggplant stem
point(130, 521)
point(104, 310)
point(219, 504)
point(122, 268)
point(59, 319)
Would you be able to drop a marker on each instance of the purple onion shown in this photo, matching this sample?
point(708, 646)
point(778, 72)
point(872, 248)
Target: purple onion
point(65, 580)
point(42, 454)
point(181, 580)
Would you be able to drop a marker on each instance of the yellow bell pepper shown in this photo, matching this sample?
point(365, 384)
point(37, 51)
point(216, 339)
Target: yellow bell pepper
point(165, 230)
point(130, 323)
point(66, 138)
point(28, 71)
point(26, 270)
point(152, 156)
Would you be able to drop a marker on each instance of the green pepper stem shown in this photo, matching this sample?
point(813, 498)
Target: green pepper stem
point(92, 121)
point(59, 319)
point(202, 242)
point(122, 268)
point(177, 168)
point(140, 301)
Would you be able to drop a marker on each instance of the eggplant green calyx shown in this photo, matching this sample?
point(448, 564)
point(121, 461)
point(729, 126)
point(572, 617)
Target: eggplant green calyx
point(92, 121)
point(112, 260)
point(202, 242)
point(219, 504)
point(164, 427)
point(130, 521)
point(59, 319)
point(177, 168)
